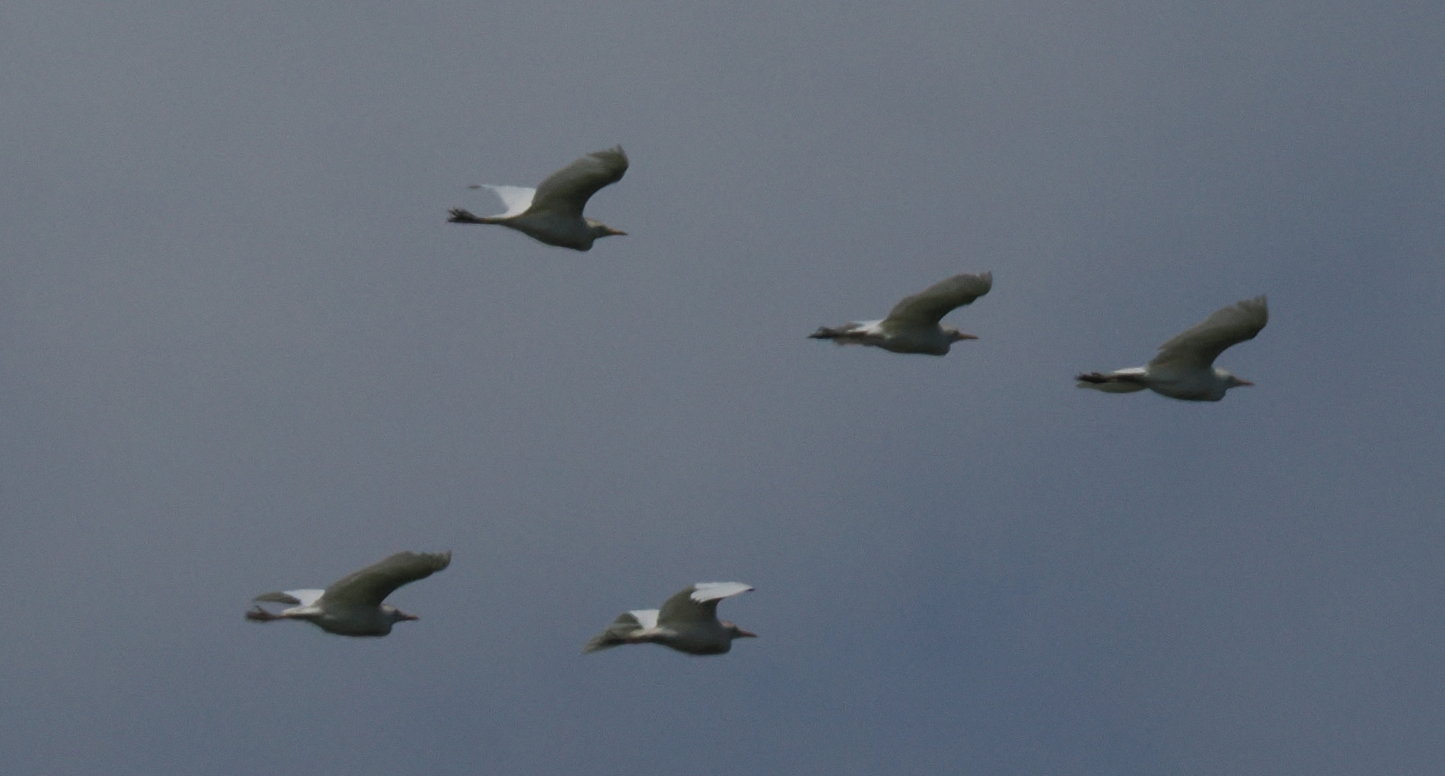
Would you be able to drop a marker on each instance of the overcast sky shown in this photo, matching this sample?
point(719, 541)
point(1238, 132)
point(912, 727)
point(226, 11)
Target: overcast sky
point(242, 350)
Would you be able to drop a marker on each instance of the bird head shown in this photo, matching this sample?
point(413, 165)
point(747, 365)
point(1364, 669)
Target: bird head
point(600, 229)
point(1230, 381)
point(736, 632)
point(397, 615)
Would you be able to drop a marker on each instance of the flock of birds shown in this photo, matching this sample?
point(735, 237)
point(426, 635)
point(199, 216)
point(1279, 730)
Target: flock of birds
point(552, 213)
point(355, 606)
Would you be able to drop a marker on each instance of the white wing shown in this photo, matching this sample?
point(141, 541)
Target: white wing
point(928, 306)
point(698, 603)
point(716, 591)
point(647, 618)
point(622, 628)
point(292, 597)
point(516, 198)
point(567, 190)
point(1199, 346)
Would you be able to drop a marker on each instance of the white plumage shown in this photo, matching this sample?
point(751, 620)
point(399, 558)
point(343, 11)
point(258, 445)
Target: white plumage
point(552, 212)
point(687, 622)
point(352, 605)
point(912, 326)
point(1184, 367)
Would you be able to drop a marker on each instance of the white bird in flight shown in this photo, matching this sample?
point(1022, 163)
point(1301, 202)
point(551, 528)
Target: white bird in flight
point(912, 325)
point(552, 212)
point(687, 622)
point(1184, 368)
point(352, 605)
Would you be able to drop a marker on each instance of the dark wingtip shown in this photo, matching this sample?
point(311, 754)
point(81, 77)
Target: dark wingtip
point(257, 614)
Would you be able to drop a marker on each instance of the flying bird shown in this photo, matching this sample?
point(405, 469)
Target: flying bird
point(687, 622)
point(1184, 368)
point(912, 326)
point(352, 605)
point(552, 212)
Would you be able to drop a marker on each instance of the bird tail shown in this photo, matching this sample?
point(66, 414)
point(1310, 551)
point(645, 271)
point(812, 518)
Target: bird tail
point(463, 216)
point(1110, 382)
point(841, 335)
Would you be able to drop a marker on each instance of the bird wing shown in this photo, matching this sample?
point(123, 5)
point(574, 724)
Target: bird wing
point(625, 625)
point(371, 585)
point(291, 597)
point(1198, 347)
point(567, 190)
point(698, 603)
point(516, 198)
point(928, 306)
point(644, 618)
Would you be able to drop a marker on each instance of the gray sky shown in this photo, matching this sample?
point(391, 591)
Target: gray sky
point(242, 350)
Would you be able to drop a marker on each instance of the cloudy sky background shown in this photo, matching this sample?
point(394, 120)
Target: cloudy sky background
point(242, 350)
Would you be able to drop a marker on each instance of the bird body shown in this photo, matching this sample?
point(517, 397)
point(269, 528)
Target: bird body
point(552, 212)
point(912, 326)
point(1184, 367)
point(687, 622)
point(934, 341)
point(352, 606)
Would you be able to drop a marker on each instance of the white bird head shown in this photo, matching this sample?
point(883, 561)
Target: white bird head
point(396, 615)
point(736, 632)
point(1230, 381)
point(600, 229)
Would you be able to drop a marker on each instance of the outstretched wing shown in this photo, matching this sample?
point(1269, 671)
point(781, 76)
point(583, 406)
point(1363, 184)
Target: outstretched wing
point(625, 625)
point(1198, 347)
point(567, 190)
point(515, 198)
point(927, 307)
point(697, 603)
point(291, 597)
point(371, 585)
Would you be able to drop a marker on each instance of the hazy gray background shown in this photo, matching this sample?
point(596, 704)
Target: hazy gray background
point(242, 350)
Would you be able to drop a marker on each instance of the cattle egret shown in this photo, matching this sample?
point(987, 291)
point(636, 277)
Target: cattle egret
point(687, 622)
point(1184, 368)
point(552, 212)
point(352, 605)
point(912, 325)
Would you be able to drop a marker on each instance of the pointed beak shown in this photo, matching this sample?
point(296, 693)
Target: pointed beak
point(617, 232)
point(405, 616)
point(742, 634)
point(1243, 382)
point(963, 336)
